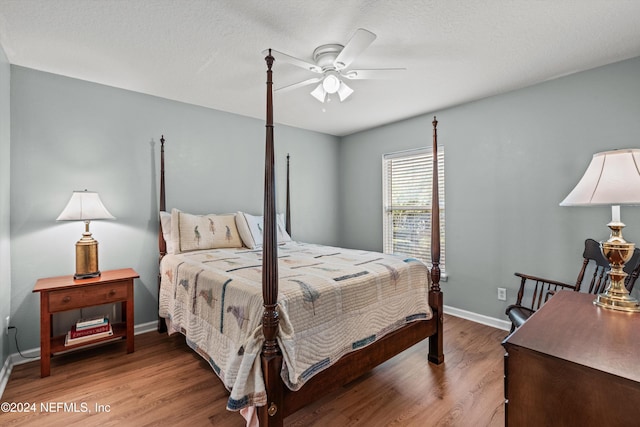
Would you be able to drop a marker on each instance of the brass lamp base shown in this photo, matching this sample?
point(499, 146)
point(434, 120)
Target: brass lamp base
point(617, 251)
point(86, 257)
point(613, 302)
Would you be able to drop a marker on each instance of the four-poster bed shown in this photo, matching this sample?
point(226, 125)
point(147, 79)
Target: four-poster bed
point(273, 309)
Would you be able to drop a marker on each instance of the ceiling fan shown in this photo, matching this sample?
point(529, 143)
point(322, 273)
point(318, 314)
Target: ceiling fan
point(332, 62)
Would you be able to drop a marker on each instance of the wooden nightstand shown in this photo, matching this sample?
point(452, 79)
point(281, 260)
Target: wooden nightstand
point(64, 293)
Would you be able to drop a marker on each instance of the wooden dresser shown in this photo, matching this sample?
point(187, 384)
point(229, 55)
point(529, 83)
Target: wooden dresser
point(573, 364)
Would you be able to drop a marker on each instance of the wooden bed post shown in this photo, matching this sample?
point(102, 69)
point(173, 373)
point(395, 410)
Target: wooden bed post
point(288, 208)
point(162, 245)
point(436, 350)
point(273, 413)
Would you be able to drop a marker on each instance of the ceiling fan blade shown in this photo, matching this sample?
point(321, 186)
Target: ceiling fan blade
point(380, 73)
point(359, 42)
point(293, 60)
point(299, 84)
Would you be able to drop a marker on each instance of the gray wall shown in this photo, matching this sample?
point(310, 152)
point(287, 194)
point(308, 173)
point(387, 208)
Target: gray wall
point(510, 160)
point(69, 134)
point(5, 245)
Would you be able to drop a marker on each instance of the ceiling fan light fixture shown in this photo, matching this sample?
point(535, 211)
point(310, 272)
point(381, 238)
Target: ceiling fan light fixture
point(331, 83)
point(344, 91)
point(332, 63)
point(319, 93)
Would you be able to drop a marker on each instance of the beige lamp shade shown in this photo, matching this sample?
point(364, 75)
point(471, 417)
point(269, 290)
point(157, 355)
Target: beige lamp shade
point(612, 178)
point(84, 205)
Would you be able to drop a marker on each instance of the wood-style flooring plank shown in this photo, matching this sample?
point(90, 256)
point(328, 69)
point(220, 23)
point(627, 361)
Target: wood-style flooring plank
point(164, 382)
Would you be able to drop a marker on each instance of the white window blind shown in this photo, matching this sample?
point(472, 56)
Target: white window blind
point(407, 185)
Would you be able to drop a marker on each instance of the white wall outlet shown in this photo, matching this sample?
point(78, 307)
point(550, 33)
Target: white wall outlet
point(6, 325)
point(502, 294)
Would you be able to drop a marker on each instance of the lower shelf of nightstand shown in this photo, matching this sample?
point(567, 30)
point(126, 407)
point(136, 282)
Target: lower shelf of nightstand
point(57, 343)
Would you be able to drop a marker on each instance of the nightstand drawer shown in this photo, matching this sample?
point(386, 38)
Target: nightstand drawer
point(68, 299)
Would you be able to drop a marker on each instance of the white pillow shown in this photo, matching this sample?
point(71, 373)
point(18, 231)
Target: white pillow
point(165, 223)
point(250, 229)
point(194, 232)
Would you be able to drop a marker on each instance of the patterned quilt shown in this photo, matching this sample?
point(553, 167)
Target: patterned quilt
point(331, 301)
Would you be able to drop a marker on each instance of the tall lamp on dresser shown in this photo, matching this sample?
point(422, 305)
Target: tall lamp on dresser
point(612, 179)
point(575, 361)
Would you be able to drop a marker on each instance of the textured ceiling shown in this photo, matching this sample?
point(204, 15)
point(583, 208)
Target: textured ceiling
point(207, 52)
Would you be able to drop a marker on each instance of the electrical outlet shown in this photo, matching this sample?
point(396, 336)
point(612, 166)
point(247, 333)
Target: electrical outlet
point(502, 294)
point(6, 325)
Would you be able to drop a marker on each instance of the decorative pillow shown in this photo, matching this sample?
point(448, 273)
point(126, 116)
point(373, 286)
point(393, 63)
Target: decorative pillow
point(193, 232)
point(165, 223)
point(250, 229)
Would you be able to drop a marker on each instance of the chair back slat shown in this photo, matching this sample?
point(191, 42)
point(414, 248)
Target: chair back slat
point(540, 294)
point(599, 280)
point(537, 295)
point(593, 255)
point(632, 268)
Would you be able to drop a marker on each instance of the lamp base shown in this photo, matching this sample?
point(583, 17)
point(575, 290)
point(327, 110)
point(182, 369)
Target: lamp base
point(86, 258)
point(617, 251)
point(616, 302)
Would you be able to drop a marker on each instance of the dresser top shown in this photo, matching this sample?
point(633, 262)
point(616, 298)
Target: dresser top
point(570, 327)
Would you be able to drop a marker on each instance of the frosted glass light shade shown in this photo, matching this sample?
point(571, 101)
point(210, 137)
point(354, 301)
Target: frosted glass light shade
point(612, 178)
point(344, 91)
point(84, 205)
point(319, 93)
point(331, 83)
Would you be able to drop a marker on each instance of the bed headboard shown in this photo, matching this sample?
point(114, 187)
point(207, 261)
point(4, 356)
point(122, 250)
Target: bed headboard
point(162, 244)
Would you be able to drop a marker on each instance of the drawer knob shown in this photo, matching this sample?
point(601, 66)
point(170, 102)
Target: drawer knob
point(112, 292)
point(66, 299)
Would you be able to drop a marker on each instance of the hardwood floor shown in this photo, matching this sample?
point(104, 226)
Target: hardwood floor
point(165, 383)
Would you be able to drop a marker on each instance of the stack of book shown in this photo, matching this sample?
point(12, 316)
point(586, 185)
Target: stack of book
point(89, 329)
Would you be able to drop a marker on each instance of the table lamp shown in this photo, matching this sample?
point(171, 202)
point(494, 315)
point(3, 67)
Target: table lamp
point(85, 206)
point(612, 179)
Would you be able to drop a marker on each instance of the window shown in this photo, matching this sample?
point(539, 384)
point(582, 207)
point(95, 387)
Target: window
point(407, 203)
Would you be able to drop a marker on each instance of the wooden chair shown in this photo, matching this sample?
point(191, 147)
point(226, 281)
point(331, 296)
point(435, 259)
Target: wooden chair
point(536, 290)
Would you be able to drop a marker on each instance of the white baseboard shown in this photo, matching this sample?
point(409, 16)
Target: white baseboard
point(145, 327)
point(34, 354)
point(4, 374)
point(478, 318)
